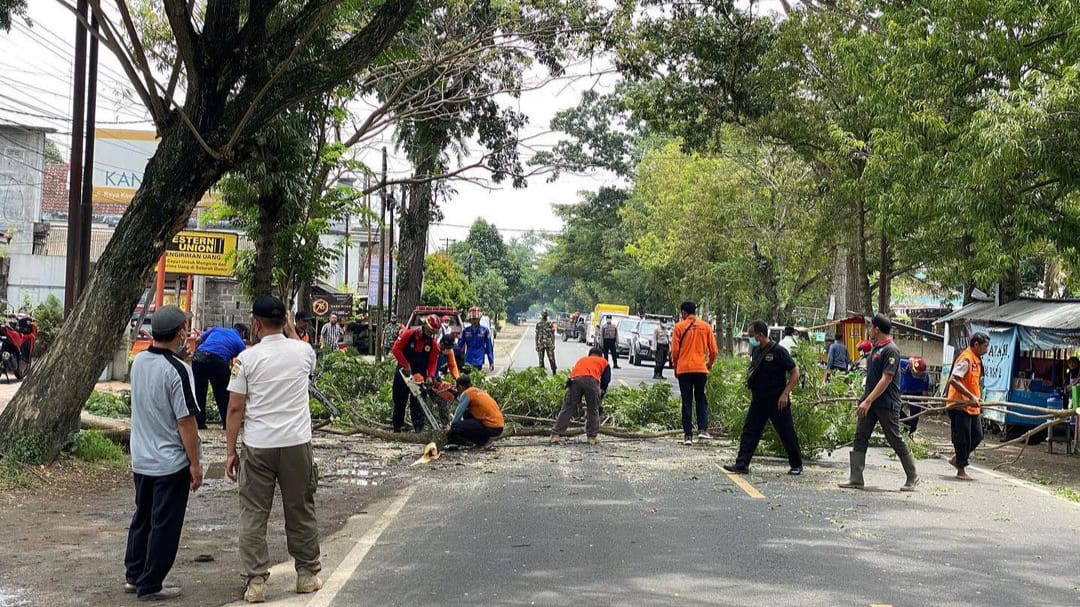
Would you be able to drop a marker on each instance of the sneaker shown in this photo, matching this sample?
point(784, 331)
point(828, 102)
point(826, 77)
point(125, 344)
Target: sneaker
point(795, 471)
point(307, 582)
point(555, 439)
point(704, 436)
point(593, 440)
point(732, 468)
point(129, 588)
point(256, 590)
point(162, 595)
point(688, 440)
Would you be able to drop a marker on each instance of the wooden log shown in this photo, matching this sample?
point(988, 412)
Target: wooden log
point(116, 430)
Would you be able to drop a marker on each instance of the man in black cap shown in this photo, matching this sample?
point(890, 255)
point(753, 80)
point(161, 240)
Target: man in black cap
point(165, 452)
point(304, 327)
point(269, 394)
point(881, 403)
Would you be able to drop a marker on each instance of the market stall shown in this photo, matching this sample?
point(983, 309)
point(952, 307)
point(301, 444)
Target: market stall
point(1030, 342)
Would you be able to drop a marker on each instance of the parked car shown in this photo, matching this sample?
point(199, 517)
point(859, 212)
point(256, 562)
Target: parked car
point(593, 335)
point(641, 344)
point(626, 333)
point(572, 327)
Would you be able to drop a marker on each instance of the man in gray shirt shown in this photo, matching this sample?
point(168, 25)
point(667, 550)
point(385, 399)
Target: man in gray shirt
point(165, 452)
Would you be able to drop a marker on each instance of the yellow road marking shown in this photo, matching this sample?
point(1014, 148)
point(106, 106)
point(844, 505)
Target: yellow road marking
point(745, 485)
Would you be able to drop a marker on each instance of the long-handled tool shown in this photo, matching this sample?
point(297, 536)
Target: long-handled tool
point(417, 390)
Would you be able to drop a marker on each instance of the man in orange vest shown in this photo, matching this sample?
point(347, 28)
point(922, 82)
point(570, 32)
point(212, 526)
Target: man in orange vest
point(589, 378)
point(965, 385)
point(693, 352)
point(478, 419)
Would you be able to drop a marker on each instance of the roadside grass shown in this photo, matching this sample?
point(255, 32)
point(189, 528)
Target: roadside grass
point(93, 446)
point(1068, 494)
point(15, 456)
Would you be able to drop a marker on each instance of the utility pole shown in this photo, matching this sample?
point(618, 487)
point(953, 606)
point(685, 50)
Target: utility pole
point(367, 264)
point(74, 246)
point(390, 252)
point(382, 258)
point(86, 213)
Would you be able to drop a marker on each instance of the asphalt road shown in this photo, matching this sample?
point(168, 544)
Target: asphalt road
point(568, 352)
point(655, 523)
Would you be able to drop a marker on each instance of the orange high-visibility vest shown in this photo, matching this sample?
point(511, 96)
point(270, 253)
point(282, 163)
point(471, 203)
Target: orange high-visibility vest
point(972, 381)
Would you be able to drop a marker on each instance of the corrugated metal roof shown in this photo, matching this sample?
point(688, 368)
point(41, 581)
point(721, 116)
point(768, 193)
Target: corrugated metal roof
point(1034, 313)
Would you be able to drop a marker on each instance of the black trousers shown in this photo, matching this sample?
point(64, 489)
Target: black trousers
point(763, 408)
point(889, 419)
point(611, 345)
point(212, 370)
point(401, 396)
point(966, 435)
point(692, 390)
point(154, 534)
point(470, 430)
point(661, 359)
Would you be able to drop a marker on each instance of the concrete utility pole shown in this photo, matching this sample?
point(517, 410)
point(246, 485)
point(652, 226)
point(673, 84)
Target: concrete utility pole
point(382, 259)
point(86, 213)
point(75, 182)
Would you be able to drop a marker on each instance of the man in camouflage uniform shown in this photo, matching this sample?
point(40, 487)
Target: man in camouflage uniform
point(390, 334)
point(545, 340)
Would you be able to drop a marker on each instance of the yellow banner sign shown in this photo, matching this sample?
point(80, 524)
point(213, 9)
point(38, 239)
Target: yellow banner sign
point(202, 253)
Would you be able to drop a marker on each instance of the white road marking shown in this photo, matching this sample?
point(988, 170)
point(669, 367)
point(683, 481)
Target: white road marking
point(349, 564)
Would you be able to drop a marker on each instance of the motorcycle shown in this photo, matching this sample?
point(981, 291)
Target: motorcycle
point(17, 338)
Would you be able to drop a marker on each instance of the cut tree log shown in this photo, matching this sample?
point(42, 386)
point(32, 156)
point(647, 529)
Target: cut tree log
point(116, 430)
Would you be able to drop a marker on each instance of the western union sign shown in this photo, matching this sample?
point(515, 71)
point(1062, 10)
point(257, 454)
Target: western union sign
point(204, 253)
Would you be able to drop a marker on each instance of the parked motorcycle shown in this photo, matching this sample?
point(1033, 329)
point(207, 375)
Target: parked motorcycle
point(17, 338)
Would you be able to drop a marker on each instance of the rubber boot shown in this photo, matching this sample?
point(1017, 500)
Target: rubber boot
point(908, 461)
point(855, 480)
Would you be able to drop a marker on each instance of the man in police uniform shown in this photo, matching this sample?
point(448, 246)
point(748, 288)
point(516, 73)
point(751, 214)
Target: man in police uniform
point(475, 343)
point(772, 376)
point(269, 395)
point(609, 335)
point(881, 403)
point(545, 340)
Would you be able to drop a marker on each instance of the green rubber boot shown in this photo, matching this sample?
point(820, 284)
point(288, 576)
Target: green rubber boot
point(858, 462)
point(908, 461)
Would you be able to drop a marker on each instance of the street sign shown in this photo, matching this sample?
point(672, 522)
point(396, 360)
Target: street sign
point(202, 253)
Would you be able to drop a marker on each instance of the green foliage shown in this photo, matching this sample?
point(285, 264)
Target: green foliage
point(445, 284)
point(1068, 494)
point(533, 391)
point(109, 404)
point(49, 316)
point(24, 449)
point(10, 9)
point(93, 446)
point(355, 385)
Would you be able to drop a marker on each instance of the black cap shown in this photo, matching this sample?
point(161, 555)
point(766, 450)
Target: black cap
point(882, 323)
point(305, 315)
point(167, 320)
point(268, 307)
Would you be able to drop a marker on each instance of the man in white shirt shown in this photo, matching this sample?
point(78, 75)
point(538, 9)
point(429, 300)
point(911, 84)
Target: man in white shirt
point(269, 394)
point(788, 341)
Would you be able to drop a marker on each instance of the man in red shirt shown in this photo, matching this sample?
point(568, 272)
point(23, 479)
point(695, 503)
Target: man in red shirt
point(589, 378)
point(416, 352)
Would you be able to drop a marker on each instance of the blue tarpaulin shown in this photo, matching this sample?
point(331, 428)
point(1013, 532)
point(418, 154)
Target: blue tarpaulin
point(998, 360)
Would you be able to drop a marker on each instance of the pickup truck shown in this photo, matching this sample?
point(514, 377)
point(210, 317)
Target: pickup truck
point(572, 327)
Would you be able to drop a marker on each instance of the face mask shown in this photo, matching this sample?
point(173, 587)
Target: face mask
point(753, 341)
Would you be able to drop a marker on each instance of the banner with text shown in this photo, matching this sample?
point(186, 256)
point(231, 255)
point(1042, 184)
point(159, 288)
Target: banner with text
point(998, 360)
point(201, 253)
point(120, 157)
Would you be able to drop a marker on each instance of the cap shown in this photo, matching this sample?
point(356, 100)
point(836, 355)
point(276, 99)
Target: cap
point(305, 315)
point(167, 320)
point(882, 323)
point(269, 307)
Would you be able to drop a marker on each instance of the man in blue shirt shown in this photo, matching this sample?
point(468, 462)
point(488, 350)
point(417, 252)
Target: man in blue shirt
point(913, 382)
point(475, 343)
point(214, 352)
point(839, 360)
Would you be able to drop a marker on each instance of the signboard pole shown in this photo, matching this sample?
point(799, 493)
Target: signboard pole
point(382, 259)
point(187, 296)
point(159, 284)
point(78, 96)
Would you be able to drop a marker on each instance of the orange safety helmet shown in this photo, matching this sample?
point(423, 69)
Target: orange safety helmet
point(864, 346)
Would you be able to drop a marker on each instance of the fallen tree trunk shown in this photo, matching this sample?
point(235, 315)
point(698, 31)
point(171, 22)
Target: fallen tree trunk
point(116, 430)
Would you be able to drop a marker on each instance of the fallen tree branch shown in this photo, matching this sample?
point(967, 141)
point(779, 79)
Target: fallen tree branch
point(116, 430)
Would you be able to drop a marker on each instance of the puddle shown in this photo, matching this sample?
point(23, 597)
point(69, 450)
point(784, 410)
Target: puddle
point(11, 598)
point(347, 471)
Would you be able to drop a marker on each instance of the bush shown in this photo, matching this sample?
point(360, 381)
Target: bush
point(49, 316)
point(357, 386)
point(93, 446)
point(15, 455)
point(109, 404)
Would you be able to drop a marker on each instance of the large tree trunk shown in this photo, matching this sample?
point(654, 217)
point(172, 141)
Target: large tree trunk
point(860, 270)
point(884, 276)
point(48, 404)
point(415, 220)
point(270, 211)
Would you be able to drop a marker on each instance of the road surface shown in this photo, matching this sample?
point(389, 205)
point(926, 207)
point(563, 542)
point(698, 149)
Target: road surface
point(656, 523)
